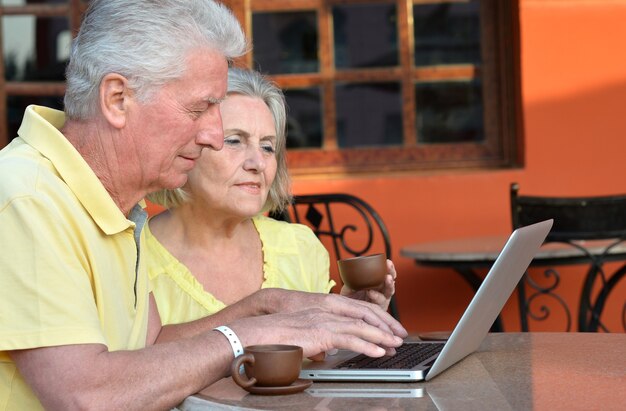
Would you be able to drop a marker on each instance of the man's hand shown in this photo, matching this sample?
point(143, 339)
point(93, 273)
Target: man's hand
point(319, 330)
point(275, 301)
point(285, 301)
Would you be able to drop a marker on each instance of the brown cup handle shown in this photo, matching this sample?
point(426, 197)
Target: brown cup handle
point(241, 379)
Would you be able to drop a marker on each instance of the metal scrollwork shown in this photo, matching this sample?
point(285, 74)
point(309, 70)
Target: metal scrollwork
point(340, 234)
point(595, 226)
point(319, 212)
point(370, 235)
point(539, 311)
point(590, 309)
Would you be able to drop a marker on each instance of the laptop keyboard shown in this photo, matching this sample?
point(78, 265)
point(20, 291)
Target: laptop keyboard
point(407, 356)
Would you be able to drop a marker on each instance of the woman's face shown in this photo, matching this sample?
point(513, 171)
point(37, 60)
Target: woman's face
point(236, 180)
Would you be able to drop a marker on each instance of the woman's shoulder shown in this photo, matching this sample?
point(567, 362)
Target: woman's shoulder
point(296, 232)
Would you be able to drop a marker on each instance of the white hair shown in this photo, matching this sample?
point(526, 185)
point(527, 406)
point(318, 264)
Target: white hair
point(145, 41)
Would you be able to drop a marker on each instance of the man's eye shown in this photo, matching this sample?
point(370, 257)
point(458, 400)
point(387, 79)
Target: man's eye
point(195, 114)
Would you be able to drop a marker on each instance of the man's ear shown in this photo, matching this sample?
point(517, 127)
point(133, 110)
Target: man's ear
point(115, 99)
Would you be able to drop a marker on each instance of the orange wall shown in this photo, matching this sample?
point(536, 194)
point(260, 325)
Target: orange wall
point(573, 69)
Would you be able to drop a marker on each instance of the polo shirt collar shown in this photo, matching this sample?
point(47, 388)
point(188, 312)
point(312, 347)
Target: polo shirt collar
point(41, 130)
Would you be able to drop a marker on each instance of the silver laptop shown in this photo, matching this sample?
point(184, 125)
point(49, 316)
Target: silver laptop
point(423, 360)
point(348, 391)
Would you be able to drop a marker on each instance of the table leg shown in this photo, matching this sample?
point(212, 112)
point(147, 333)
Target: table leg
point(475, 281)
point(589, 314)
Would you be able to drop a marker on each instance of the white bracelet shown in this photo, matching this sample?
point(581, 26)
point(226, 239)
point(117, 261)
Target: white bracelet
point(232, 339)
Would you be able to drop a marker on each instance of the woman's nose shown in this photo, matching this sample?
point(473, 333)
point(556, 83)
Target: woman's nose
point(255, 161)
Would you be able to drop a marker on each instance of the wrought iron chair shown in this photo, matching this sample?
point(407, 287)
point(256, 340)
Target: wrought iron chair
point(578, 223)
point(350, 224)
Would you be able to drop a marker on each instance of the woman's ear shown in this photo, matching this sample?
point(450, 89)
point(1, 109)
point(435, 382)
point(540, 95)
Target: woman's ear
point(115, 98)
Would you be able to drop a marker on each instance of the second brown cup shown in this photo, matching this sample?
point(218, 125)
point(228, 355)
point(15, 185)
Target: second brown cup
point(269, 365)
point(363, 272)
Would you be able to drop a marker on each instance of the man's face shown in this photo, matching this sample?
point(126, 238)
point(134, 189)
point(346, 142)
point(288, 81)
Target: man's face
point(183, 117)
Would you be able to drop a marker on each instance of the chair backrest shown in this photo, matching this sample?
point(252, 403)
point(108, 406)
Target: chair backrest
point(575, 219)
point(349, 224)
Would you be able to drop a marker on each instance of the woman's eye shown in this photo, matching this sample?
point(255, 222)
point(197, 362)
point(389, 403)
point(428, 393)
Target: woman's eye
point(232, 140)
point(268, 149)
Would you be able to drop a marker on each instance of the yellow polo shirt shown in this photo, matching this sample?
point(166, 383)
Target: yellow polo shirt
point(70, 271)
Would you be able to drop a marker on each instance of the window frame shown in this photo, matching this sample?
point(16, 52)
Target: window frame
point(499, 74)
point(73, 11)
point(503, 146)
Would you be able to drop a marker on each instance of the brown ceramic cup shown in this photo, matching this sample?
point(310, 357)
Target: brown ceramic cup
point(363, 272)
point(271, 365)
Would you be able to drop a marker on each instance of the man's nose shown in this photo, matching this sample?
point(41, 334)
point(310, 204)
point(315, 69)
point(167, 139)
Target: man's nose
point(211, 133)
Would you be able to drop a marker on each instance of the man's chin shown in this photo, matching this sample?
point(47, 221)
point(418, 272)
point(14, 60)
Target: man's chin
point(174, 182)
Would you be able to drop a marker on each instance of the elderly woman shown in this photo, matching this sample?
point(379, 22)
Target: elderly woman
point(212, 246)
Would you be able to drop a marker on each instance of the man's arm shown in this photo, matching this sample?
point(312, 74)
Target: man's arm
point(163, 375)
point(87, 376)
point(275, 300)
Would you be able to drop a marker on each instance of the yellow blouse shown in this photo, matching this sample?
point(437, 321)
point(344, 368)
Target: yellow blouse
point(293, 259)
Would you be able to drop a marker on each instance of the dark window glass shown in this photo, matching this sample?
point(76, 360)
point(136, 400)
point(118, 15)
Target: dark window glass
point(368, 114)
point(17, 104)
point(35, 48)
point(365, 35)
point(285, 42)
point(304, 118)
point(447, 33)
point(449, 112)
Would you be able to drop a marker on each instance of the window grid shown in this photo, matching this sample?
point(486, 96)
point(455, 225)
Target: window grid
point(72, 10)
point(498, 74)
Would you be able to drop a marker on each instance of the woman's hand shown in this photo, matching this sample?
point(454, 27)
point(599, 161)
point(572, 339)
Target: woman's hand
point(380, 296)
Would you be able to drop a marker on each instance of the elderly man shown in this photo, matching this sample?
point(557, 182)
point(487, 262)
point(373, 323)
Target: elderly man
point(77, 324)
